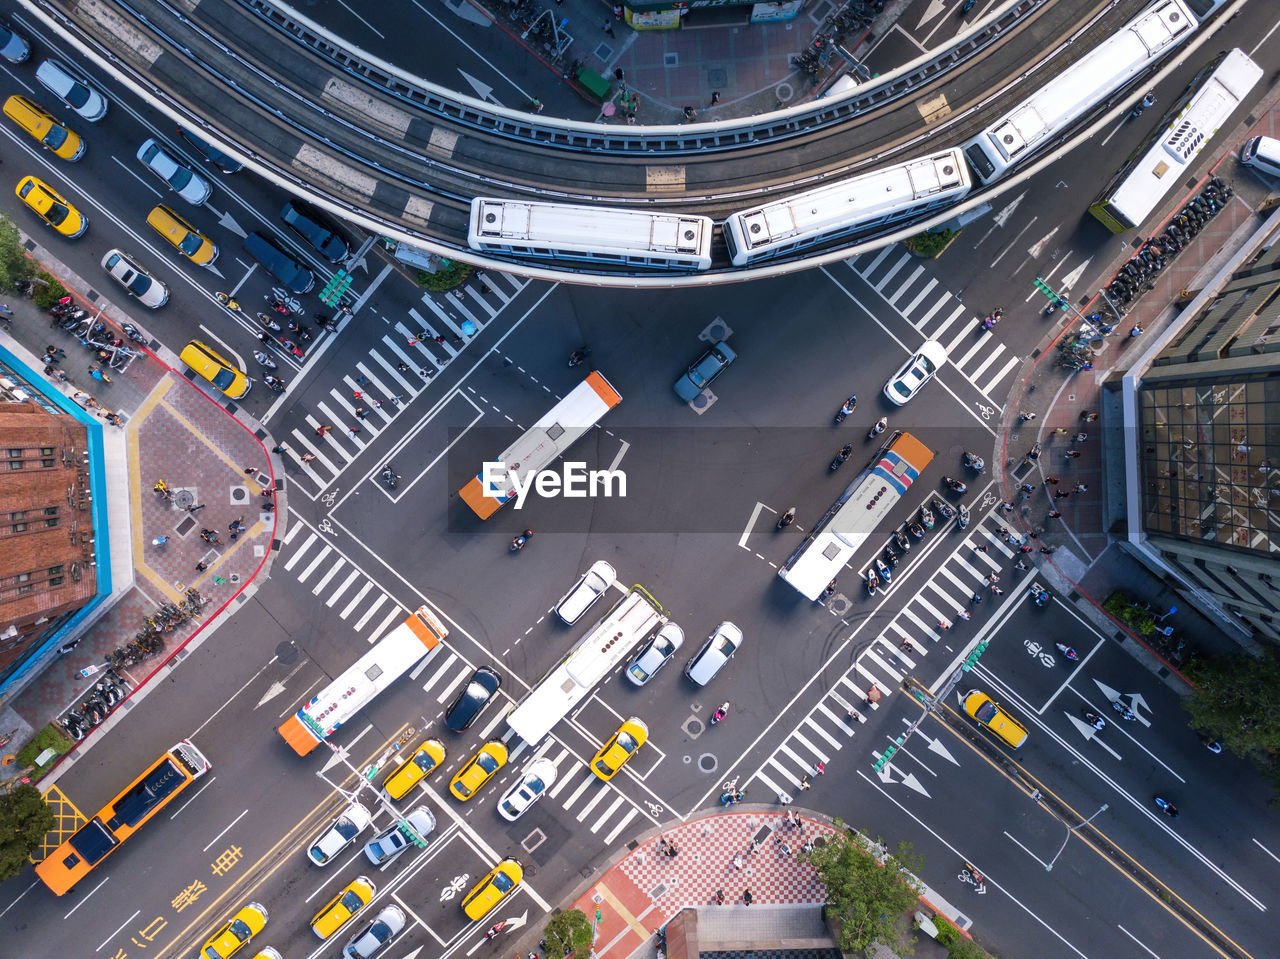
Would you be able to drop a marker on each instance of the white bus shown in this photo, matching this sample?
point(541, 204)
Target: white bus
point(1079, 88)
point(543, 443)
point(605, 235)
point(1140, 185)
point(835, 209)
point(856, 515)
point(597, 654)
point(389, 659)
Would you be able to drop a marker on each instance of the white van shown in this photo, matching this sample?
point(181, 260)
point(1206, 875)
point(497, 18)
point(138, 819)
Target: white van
point(1263, 154)
point(594, 583)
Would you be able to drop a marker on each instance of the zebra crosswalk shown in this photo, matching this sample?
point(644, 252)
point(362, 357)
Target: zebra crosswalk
point(902, 281)
point(343, 586)
point(934, 607)
point(396, 368)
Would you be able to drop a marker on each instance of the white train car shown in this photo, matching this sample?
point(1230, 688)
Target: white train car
point(557, 231)
point(846, 206)
point(1075, 91)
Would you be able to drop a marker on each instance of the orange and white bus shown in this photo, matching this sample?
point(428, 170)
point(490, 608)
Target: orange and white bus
point(160, 784)
point(389, 659)
point(544, 442)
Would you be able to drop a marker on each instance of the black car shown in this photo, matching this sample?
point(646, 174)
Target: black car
point(475, 696)
point(317, 229)
point(295, 277)
point(211, 153)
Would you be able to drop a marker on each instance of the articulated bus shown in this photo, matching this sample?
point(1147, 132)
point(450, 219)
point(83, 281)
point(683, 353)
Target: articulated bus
point(592, 658)
point(1140, 185)
point(855, 516)
point(544, 442)
point(389, 659)
point(1079, 88)
point(160, 784)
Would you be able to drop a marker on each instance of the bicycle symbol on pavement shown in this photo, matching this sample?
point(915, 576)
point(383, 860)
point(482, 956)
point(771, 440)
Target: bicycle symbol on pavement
point(456, 885)
point(655, 809)
point(326, 526)
point(988, 500)
point(329, 498)
point(985, 410)
point(730, 784)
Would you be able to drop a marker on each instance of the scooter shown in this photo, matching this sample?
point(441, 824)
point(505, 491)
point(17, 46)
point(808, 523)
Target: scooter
point(274, 383)
point(890, 557)
point(519, 542)
point(955, 485)
point(900, 538)
point(963, 521)
point(74, 726)
point(264, 360)
point(849, 406)
point(786, 519)
point(303, 332)
point(133, 333)
point(926, 517)
point(880, 426)
point(1125, 712)
point(1068, 653)
point(292, 347)
point(268, 322)
point(390, 477)
point(916, 530)
point(1094, 720)
point(1166, 807)
point(946, 511)
point(719, 714)
point(579, 356)
point(845, 452)
point(872, 582)
point(974, 462)
point(1040, 593)
point(886, 574)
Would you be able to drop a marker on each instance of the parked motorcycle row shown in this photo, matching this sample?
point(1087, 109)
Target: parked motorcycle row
point(95, 335)
point(105, 695)
point(1137, 276)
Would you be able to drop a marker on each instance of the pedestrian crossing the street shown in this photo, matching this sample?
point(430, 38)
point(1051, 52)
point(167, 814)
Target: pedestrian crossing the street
point(395, 369)
point(342, 586)
point(936, 606)
point(903, 282)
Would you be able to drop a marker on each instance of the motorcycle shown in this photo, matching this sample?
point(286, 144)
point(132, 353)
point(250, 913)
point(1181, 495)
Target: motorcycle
point(292, 347)
point(947, 511)
point(880, 426)
point(955, 485)
point(886, 574)
point(719, 714)
point(849, 406)
point(390, 477)
point(1127, 714)
point(303, 332)
point(1068, 652)
point(274, 383)
point(1094, 720)
point(268, 322)
point(133, 333)
point(227, 301)
point(732, 797)
point(872, 582)
point(519, 542)
point(890, 557)
point(926, 517)
point(974, 462)
point(845, 452)
point(963, 521)
point(916, 530)
point(786, 519)
point(74, 726)
point(264, 360)
point(900, 538)
point(992, 318)
point(579, 356)
point(1166, 807)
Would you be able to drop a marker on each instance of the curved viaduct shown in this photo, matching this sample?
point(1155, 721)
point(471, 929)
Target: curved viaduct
point(404, 158)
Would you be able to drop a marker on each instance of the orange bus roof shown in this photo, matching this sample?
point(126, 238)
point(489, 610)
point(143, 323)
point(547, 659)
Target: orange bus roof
point(297, 735)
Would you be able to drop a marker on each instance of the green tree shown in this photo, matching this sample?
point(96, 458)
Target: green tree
point(568, 932)
point(451, 274)
point(1237, 701)
point(24, 820)
point(14, 262)
point(869, 897)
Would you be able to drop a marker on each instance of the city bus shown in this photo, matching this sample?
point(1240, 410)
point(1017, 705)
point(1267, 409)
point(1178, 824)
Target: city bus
point(544, 442)
point(592, 658)
point(389, 659)
point(159, 784)
point(1156, 168)
point(856, 515)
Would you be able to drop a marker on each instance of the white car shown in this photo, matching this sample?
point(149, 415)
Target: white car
point(136, 281)
point(342, 833)
point(184, 181)
point(85, 100)
point(535, 780)
point(370, 940)
point(714, 654)
point(916, 372)
point(594, 583)
point(392, 841)
point(655, 654)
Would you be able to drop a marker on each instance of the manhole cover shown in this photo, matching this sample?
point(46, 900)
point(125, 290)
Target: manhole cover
point(708, 763)
point(693, 726)
point(184, 498)
point(287, 652)
point(718, 77)
point(240, 494)
point(671, 59)
point(840, 604)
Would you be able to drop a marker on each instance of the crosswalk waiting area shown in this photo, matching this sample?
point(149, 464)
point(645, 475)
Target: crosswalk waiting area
point(396, 368)
point(938, 605)
point(937, 314)
point(372, 613)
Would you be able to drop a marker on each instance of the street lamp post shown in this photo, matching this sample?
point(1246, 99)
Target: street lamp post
point(1067, 838)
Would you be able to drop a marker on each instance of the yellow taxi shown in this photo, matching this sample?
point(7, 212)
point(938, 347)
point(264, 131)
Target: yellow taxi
point(425, 760)
point(981, 707)
point(339, 910)
point(42, 125)
point(215, 368)
point(624, 744)
point(235, 935)
point(493, 888)
point(48, 204)
point(184, 237)
point(479, 769)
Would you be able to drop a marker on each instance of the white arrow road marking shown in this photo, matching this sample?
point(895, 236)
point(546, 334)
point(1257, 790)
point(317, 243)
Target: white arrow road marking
point(1070, 280)
point(343, 752)
point(1089, 732)
point(483, 90)
point(229, 222)
point(909, 780)
point(1035, 249)
point(1114, 695)
point(1003, 216)
point(517, 922)
point(937, 748)
point(935, 8)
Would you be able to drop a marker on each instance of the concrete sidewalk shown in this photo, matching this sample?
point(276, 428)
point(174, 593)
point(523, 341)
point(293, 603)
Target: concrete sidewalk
point(213, 459)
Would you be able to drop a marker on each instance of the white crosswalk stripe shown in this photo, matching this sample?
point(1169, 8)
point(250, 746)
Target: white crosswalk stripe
point(338, 581)
point(899, 649)
point(937, 314)
point(411, 342)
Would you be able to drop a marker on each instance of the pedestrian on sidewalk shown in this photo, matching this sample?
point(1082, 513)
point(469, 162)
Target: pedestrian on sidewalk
point(1048, 550)
point(608, 28)
point(1060, 494)
point(1071, 455)
point(1080, 488)
point(201, 566)
point(690, 113)
point(377, 404)
point(160, 541)
point(808, 846)
point(720, 897)
point(1027, 488)
point(361, 412)
point(422, 371)
point(784, 799)
point(1021, 565)
point(282, 448)
point(943, 626)
point(992, 578)
point(737, 860)
point(1054, 514)
point(250, 470)
point(1006, 507)
point(1051, 480)
point(196, 507)
point(1136, 331)
point(402, 366)
point(1024, 417)
point(1002, 532)
point(975, 599)
point(56, 350)
point(819, 769)
point(715, 97)
point(747, 898)
point(1024, 548)
point(1081, 437)
point(361, 380)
